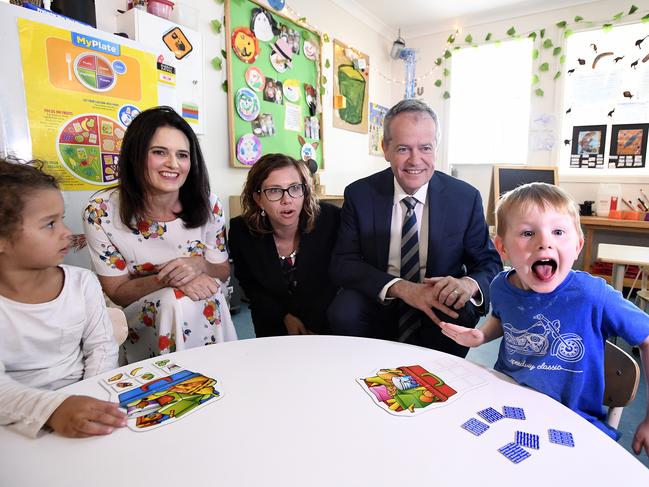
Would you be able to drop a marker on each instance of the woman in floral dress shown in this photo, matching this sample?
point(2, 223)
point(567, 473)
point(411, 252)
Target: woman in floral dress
point(157, 240)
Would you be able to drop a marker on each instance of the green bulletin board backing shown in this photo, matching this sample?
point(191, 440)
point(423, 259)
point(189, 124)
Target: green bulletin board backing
point(251, 138)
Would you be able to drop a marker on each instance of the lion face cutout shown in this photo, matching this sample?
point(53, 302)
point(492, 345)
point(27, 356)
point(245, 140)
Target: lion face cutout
point(245, 44)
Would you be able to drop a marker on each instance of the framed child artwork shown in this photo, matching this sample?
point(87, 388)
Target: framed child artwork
point(628, 145)
point(351, 88)
point(588, 142)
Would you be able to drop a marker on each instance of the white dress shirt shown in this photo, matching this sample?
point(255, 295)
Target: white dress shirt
point(394, 253)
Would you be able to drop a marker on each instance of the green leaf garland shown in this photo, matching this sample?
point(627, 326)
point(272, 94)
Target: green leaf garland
point(540, 41)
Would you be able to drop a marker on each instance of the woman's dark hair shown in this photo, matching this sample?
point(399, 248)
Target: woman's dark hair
point(194, 195)
point(18, 179)
point(260, 171)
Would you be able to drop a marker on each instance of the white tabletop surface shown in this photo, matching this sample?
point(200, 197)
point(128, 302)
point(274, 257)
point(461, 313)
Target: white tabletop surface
point(623, 254)
point(292, 414)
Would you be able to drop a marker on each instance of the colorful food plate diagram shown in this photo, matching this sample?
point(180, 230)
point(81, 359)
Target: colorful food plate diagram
point(94, 71)
point(413, 389)
point(88, 146)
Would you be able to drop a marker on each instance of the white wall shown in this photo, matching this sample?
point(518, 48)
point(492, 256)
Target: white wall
point(431, 47)
point(346, 153)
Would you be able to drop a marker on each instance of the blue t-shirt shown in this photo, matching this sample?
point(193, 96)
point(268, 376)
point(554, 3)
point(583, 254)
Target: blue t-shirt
point(554, 342)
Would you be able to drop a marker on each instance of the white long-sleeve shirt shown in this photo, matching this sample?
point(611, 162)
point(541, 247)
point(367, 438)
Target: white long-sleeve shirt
point(47, 346)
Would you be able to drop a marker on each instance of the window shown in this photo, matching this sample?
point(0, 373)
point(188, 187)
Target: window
point(490, 104)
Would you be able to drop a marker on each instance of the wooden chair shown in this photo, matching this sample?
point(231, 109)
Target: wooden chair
point(642, 296)
point(120, 326)
point(621, 378)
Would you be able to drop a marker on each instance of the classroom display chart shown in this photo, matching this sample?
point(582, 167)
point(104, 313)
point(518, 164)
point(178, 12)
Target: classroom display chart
point(409, 390)
point(606, 100)
point(159, 393)
point(274, 96)
point(82, 92)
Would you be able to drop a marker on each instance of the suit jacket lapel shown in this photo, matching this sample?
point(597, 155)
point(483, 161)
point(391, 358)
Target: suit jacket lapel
point(436, 218)
point(382, 208)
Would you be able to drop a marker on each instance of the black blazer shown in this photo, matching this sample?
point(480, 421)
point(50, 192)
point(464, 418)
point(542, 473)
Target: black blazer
point(257, 267)
point(458, 237)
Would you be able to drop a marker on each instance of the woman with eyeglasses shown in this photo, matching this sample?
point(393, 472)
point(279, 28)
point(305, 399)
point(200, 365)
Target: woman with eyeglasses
point(281, 246)
point(157, 240)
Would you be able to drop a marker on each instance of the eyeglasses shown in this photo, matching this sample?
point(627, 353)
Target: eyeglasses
point(276, 194)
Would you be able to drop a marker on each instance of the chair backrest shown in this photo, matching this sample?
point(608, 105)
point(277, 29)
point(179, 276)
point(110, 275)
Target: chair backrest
point(621, 377)
point(120, 326)
point(642, 296)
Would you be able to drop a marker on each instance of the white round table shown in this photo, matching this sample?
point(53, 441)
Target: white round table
point(293, 414)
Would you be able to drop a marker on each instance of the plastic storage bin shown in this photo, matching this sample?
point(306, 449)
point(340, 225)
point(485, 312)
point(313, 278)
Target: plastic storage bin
point(161, 8)
point(185, 14)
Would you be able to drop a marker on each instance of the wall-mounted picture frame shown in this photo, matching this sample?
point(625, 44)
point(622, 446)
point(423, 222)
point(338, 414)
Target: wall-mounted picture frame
point(375, 128)
point(351, 88)
point(628, 146)
point(274, 85)
point(588, 146)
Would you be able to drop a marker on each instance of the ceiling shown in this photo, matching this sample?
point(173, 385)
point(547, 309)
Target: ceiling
point(422, 17)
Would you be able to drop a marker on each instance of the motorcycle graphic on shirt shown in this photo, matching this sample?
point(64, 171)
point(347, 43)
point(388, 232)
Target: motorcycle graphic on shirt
point(541, 336)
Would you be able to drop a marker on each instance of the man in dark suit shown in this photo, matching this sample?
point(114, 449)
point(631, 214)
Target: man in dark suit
point(413, 247)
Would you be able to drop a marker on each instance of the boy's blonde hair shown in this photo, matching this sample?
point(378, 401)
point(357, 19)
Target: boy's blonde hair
point(540, 195)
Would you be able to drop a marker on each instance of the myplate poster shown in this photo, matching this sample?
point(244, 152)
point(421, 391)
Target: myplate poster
point(82, 92)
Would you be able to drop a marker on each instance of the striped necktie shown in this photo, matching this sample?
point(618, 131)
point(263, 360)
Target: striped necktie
point(409, 317)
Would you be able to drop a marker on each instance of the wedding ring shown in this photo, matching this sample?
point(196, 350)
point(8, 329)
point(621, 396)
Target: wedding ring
point(455, 291)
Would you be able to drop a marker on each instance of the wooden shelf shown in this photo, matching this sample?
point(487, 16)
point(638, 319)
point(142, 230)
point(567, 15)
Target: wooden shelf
point(594, 224)
point(598, 221)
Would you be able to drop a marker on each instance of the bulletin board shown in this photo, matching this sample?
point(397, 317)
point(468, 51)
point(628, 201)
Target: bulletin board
point(508, 177)
point(274, 90)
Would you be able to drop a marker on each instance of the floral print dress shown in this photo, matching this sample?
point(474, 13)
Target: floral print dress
point(165, 320)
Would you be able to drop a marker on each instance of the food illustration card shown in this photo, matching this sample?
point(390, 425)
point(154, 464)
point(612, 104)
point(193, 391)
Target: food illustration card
point(169, 394)
point(411, 390)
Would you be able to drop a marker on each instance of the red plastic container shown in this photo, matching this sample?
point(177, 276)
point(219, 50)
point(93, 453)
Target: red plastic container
point(161, 8)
